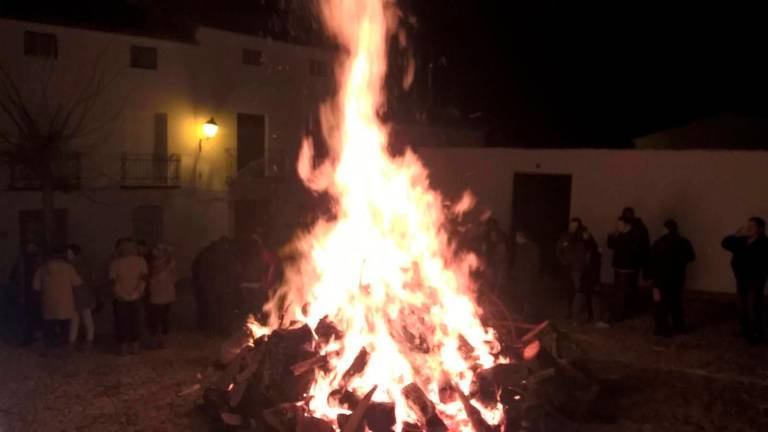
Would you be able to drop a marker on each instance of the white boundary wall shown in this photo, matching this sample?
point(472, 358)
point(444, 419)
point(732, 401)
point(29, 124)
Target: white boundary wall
point(710, 193)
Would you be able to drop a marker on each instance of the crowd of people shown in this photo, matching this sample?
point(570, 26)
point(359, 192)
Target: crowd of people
point(661, 264)
point(57, 296)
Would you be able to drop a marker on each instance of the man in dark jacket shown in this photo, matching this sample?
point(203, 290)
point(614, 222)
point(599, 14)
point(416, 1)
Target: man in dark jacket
point(525, 273)
point(749, 247)
point(28, 300)
point(640, 231)
point(627, 262)
point(669, 257)
point(574, 251)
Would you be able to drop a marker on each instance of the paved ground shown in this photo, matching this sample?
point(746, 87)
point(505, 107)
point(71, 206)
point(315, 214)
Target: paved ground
point(706, 381)
point(99, 391)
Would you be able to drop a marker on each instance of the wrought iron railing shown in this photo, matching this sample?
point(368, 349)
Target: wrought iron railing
point(150, 170)
point(66, 173)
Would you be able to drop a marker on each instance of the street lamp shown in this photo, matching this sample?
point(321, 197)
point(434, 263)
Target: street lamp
point(210, 129)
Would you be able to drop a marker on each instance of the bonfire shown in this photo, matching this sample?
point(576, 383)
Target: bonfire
point(377, 322)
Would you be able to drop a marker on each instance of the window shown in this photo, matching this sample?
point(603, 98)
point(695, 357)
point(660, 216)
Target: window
point(317, 68)
point(252, 57)
point(40, 45)
point(143, 57)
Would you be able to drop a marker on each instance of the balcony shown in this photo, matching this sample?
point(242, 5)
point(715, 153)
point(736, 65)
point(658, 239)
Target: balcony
point(150, 171)
point(67, 173)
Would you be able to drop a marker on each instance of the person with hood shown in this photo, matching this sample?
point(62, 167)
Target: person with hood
point(627, 262)
point(85, 299)
point(749, 249)
point(162, 293)
point(668, 260)
point(56, 280)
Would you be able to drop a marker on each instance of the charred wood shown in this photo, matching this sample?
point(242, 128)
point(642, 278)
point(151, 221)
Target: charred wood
point(380, 417)
point(358, 366)
point(356, 418)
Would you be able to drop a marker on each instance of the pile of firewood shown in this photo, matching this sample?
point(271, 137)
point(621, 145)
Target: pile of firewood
point(265, 383)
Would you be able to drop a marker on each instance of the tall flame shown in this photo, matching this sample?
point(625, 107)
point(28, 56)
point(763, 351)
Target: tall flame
point(382, 269)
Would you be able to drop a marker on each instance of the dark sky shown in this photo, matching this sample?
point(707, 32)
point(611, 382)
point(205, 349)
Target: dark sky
point(539, 73)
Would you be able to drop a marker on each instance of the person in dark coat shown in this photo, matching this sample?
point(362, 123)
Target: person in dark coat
point(573, 251)
point(668, 260)
point(525, 272)
point(749, 261)
point(640, 231)
point(627, 262)
point(28, 301)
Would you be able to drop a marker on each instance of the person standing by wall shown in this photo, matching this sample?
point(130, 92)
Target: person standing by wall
point(627, 252)
point(525, 273)
point(25, 298)
point(573, 251)
point(162, 293)
point(749, 249)
point(640, 231)
point(85, 298)
point(495, 253)
point(591, 283)
point(668, 260)
point(56, 279)
point(128, 273)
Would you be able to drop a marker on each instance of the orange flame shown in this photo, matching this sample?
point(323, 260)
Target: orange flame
point(383, 270)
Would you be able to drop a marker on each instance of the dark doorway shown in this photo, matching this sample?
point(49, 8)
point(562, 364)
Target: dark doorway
point(251, 143)
point(541, 206)
point(32, 228)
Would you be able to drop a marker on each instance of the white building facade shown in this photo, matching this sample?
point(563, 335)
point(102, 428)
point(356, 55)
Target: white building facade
point(145, 169)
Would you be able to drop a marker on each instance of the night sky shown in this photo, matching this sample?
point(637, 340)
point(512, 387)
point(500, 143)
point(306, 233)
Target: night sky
point(531, 73)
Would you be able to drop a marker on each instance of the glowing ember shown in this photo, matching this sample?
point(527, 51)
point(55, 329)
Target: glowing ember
point(382, 270)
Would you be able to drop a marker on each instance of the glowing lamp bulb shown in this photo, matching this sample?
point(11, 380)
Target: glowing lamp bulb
point(210, 128)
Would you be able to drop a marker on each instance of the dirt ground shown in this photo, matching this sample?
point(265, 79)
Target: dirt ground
point(706, 381)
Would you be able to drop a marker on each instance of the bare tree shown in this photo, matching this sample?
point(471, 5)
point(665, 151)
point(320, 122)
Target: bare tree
point(38, 130)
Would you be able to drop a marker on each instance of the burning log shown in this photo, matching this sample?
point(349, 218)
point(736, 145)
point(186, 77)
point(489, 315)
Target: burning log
point(488, 383)
point(358, 366)
point(284, 348)
point(343, 419)
point(343, 399)
point(466, 349)
point(424, 408)
point(307, 365)
point(478, 423)
point(380, 417)
point(411, 427)
point(314, 424)
point(284, 417)
point(446, 391)
point(326, 330)
point(534, 332)
point(356, 418)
